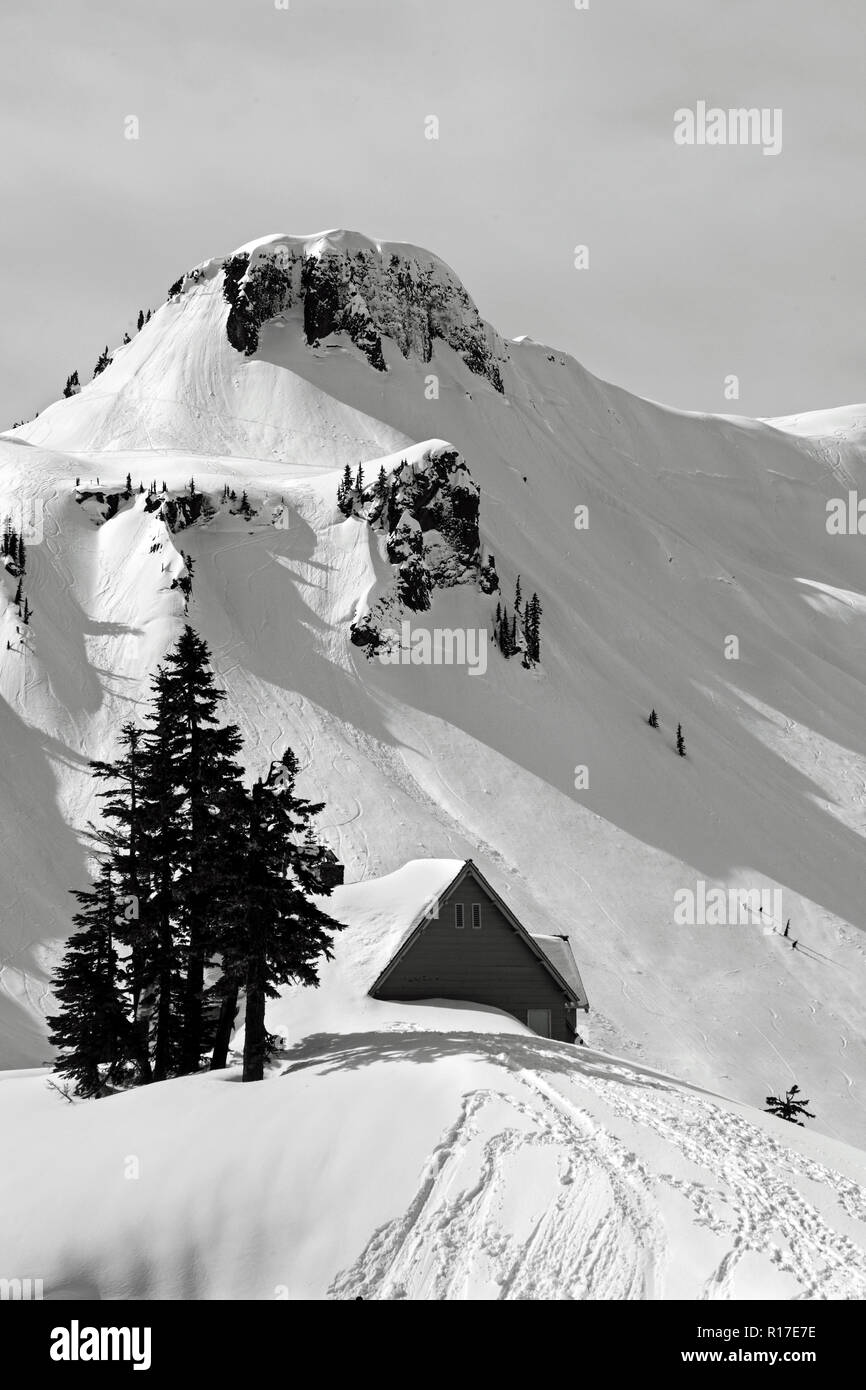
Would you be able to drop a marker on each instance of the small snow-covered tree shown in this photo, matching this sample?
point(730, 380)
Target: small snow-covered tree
point(102, 361)
point(344, 492)
point(790, 1108)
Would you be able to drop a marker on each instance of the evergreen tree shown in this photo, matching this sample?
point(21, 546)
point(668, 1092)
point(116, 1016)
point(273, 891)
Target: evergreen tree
point(25, 616)
point(359, 481)
point(207, 775)
point(344, 492)
point(162, 852)
point(102, 361)
point(197, 871)
point(72, 385)
point(394, 507)
point(140, 323)
point(653, 720)
point(681, 743)
point(505, 633)
point(90, 1030)
point(532, 630)
point(126, 841)
point(380, 487)
point(126, 339)
point(129, 484)
point(278, 933)
point(17, 599)
point(21, 555)
point(147, 316)
point(518, 596)
point(185, 581)
point(789, 1108)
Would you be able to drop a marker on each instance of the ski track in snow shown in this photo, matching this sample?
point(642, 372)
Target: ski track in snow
point(530, 1196)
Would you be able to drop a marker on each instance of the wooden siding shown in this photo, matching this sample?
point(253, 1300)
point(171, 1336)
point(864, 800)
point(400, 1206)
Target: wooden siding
point(486, 965)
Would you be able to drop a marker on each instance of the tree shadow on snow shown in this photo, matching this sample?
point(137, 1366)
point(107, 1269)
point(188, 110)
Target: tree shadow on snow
point(329, 1052)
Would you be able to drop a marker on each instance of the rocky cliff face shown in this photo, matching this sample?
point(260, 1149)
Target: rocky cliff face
point(428, 514)
point(364, 289)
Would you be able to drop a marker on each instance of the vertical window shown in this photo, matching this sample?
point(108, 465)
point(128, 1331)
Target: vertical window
point(539, 1021)
point(476, 916)
point(458, 914)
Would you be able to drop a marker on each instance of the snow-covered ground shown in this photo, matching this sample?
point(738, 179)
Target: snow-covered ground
point(429, 1151)
point(444, 1154)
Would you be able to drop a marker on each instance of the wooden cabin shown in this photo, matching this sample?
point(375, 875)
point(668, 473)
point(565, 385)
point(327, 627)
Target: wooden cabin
point(469, 945)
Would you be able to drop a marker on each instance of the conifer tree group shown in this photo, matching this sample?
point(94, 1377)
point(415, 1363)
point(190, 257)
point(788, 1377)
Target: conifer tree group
point(653, 722)
point(13, 555)
point(73, 385)
point(202, 891)
point(12, 549)
point(353, 490)
point(521, 632)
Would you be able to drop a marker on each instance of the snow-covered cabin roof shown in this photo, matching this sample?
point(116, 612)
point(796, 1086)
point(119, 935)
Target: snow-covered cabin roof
point(387, 911)
point(559, 953)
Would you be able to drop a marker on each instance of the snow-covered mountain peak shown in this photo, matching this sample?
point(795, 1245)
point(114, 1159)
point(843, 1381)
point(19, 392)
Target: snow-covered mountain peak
point(348, 284)
point(237, 359)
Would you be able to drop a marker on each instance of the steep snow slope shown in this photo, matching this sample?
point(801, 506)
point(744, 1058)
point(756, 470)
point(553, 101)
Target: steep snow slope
point(699, 528)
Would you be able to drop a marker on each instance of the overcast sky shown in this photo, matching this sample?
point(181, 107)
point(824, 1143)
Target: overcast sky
point(556, 129)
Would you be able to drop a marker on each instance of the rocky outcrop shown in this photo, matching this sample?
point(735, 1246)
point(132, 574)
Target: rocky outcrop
point(428, 512)
point(364, 291)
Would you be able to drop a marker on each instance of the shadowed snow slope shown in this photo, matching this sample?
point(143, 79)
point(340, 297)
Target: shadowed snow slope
point(701, 529)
